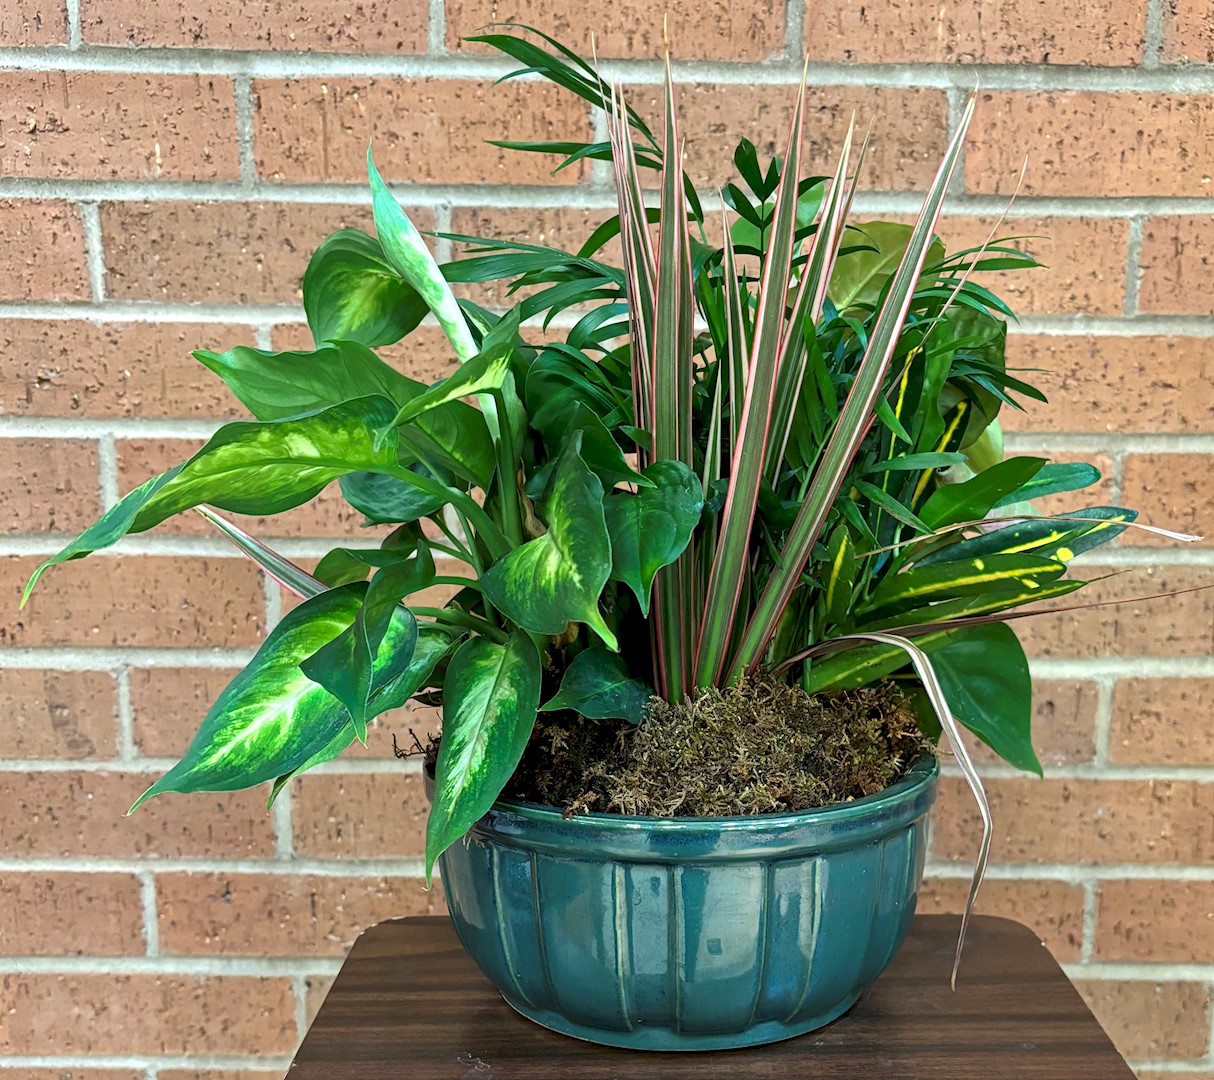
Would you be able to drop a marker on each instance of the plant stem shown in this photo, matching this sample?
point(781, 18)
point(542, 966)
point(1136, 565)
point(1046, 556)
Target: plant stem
point(464, 619)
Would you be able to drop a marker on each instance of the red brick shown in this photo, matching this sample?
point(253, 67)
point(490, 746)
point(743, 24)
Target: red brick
point(72, 1073)
point(425, 354)
point(1188, 35)
point(42, 251)
point(225, 252)
point(67, 814)
point(1064, 720)
point(1090, 144)
point(279, 915)
point(146, 1014)
point(66, 715)
point(1162, 722)
point(1151, 1020)
point(140, 600)
point(1003, 32)
point(108, 126)
point(371, 26)
point(708, 31)
point(318, 987)
point(33, 22)
point(1177, 266)
point(57, 914)
point(1052, 909)
point(1111, 383)
point(423, 130)
point(1080, 821)
point(168, 704)
point(910, 129)
point(1155, 921)
point(362, 816)
point(1083, 262)
point(50, 485)
point(69, 367)
point(1175, 626)
point(1171, 491)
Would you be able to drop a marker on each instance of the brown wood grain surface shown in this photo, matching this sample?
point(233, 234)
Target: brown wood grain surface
point(410, 1005)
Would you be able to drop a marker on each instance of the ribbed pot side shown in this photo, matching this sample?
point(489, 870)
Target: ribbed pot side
point(690, 933)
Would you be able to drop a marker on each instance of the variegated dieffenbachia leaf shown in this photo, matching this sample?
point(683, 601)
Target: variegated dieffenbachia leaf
point(652, 528)
point(491, 694)
point(352, 293)
point(597, 685)
point(272, 718)
point(557, 579)
point(432, 645)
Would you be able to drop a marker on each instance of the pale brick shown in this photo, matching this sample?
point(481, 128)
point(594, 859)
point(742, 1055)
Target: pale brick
point(33, 22)
point(714, 30)
point(70, 367)
point(168, 704)
point(368, 26)
point(1177, 263)
point(219, 252)
point(1051, 909)
point(109, 126)
point(1174, 626)
point(59, 914)
point(1155, 921)
point(280, 915)
point(1188, 35)
point(72, 1073)
point(999, 32)
point(423, 130)
point(69, 814)
point(1172, 491)
point(1082, 269)
point(66, 715)
point(76, 1014)
point(49, 485)
point(1090, 144)
point(217, 1074)
point(1080, 821)
point(1162, 722)
point(366, 815)
point(130, 601)
point(42, 251)
point(1151, 1020)
point(1114, 384)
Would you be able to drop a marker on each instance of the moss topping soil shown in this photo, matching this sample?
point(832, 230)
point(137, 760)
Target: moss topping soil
point(761, 747)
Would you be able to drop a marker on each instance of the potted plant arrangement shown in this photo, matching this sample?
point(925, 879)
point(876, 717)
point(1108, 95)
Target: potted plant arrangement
point(730, 541)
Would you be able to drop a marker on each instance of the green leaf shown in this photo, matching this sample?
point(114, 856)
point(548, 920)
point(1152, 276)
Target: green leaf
point(861, 276)
point(941, 581)
point(345, 666)
point(974, 499)
point(352, 293)
point(406, 251)
point(986, 678)
point(555, 580)
point(280, 386)
point(841, 576)
point(272, 718)
point(1052, 479)
point(491, 694)
point(432, 645)
point(651, 529)
point(1061, 540)
point(597, 686)
point(891, 506)
point(387, 500)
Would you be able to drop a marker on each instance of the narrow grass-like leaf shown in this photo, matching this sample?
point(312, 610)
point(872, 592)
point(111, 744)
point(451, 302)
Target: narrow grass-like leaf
point(276, 566)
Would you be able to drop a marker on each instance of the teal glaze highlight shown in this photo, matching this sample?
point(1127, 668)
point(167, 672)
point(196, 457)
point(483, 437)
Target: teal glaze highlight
point(690, 933)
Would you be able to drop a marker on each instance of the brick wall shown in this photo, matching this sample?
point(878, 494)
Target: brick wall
point(165, 170)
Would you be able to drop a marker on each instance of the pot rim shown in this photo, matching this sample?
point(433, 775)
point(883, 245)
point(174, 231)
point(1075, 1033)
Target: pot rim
point(922, 774)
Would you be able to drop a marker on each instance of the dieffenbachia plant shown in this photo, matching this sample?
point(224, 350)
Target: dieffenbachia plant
point(765, 439)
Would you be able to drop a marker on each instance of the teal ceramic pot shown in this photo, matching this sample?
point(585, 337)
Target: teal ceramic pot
point(690, 933)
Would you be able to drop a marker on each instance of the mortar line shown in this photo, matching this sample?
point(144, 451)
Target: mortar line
point(436, 30)
point(1071, 874)
point(151, 923)
point(444, 249)
point(1210, 1043)
point(1131, 971)
point(262, 337)
point(284, 826)
point(299, 987)
point(1104, 719)
point(107, 470)
point(1133, 265)
point(74, 34)
point(246, 966)
point(1089, 922)
point(794, 31)
point(243, 91)
point(127, 747)
point(272, 1064)
point(407, 868)
point(94, 252)
point(1153, 31)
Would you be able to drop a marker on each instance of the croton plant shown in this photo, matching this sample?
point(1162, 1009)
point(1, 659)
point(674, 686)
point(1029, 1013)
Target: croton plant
point(761, 437)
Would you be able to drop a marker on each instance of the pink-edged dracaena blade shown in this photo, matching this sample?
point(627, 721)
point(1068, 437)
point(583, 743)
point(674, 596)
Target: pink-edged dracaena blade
point(291, 577)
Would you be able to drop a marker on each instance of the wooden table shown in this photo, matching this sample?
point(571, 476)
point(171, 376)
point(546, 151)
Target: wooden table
point(409, 1005)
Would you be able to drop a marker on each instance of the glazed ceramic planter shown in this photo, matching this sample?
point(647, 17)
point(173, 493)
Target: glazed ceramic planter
point(690, 933)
